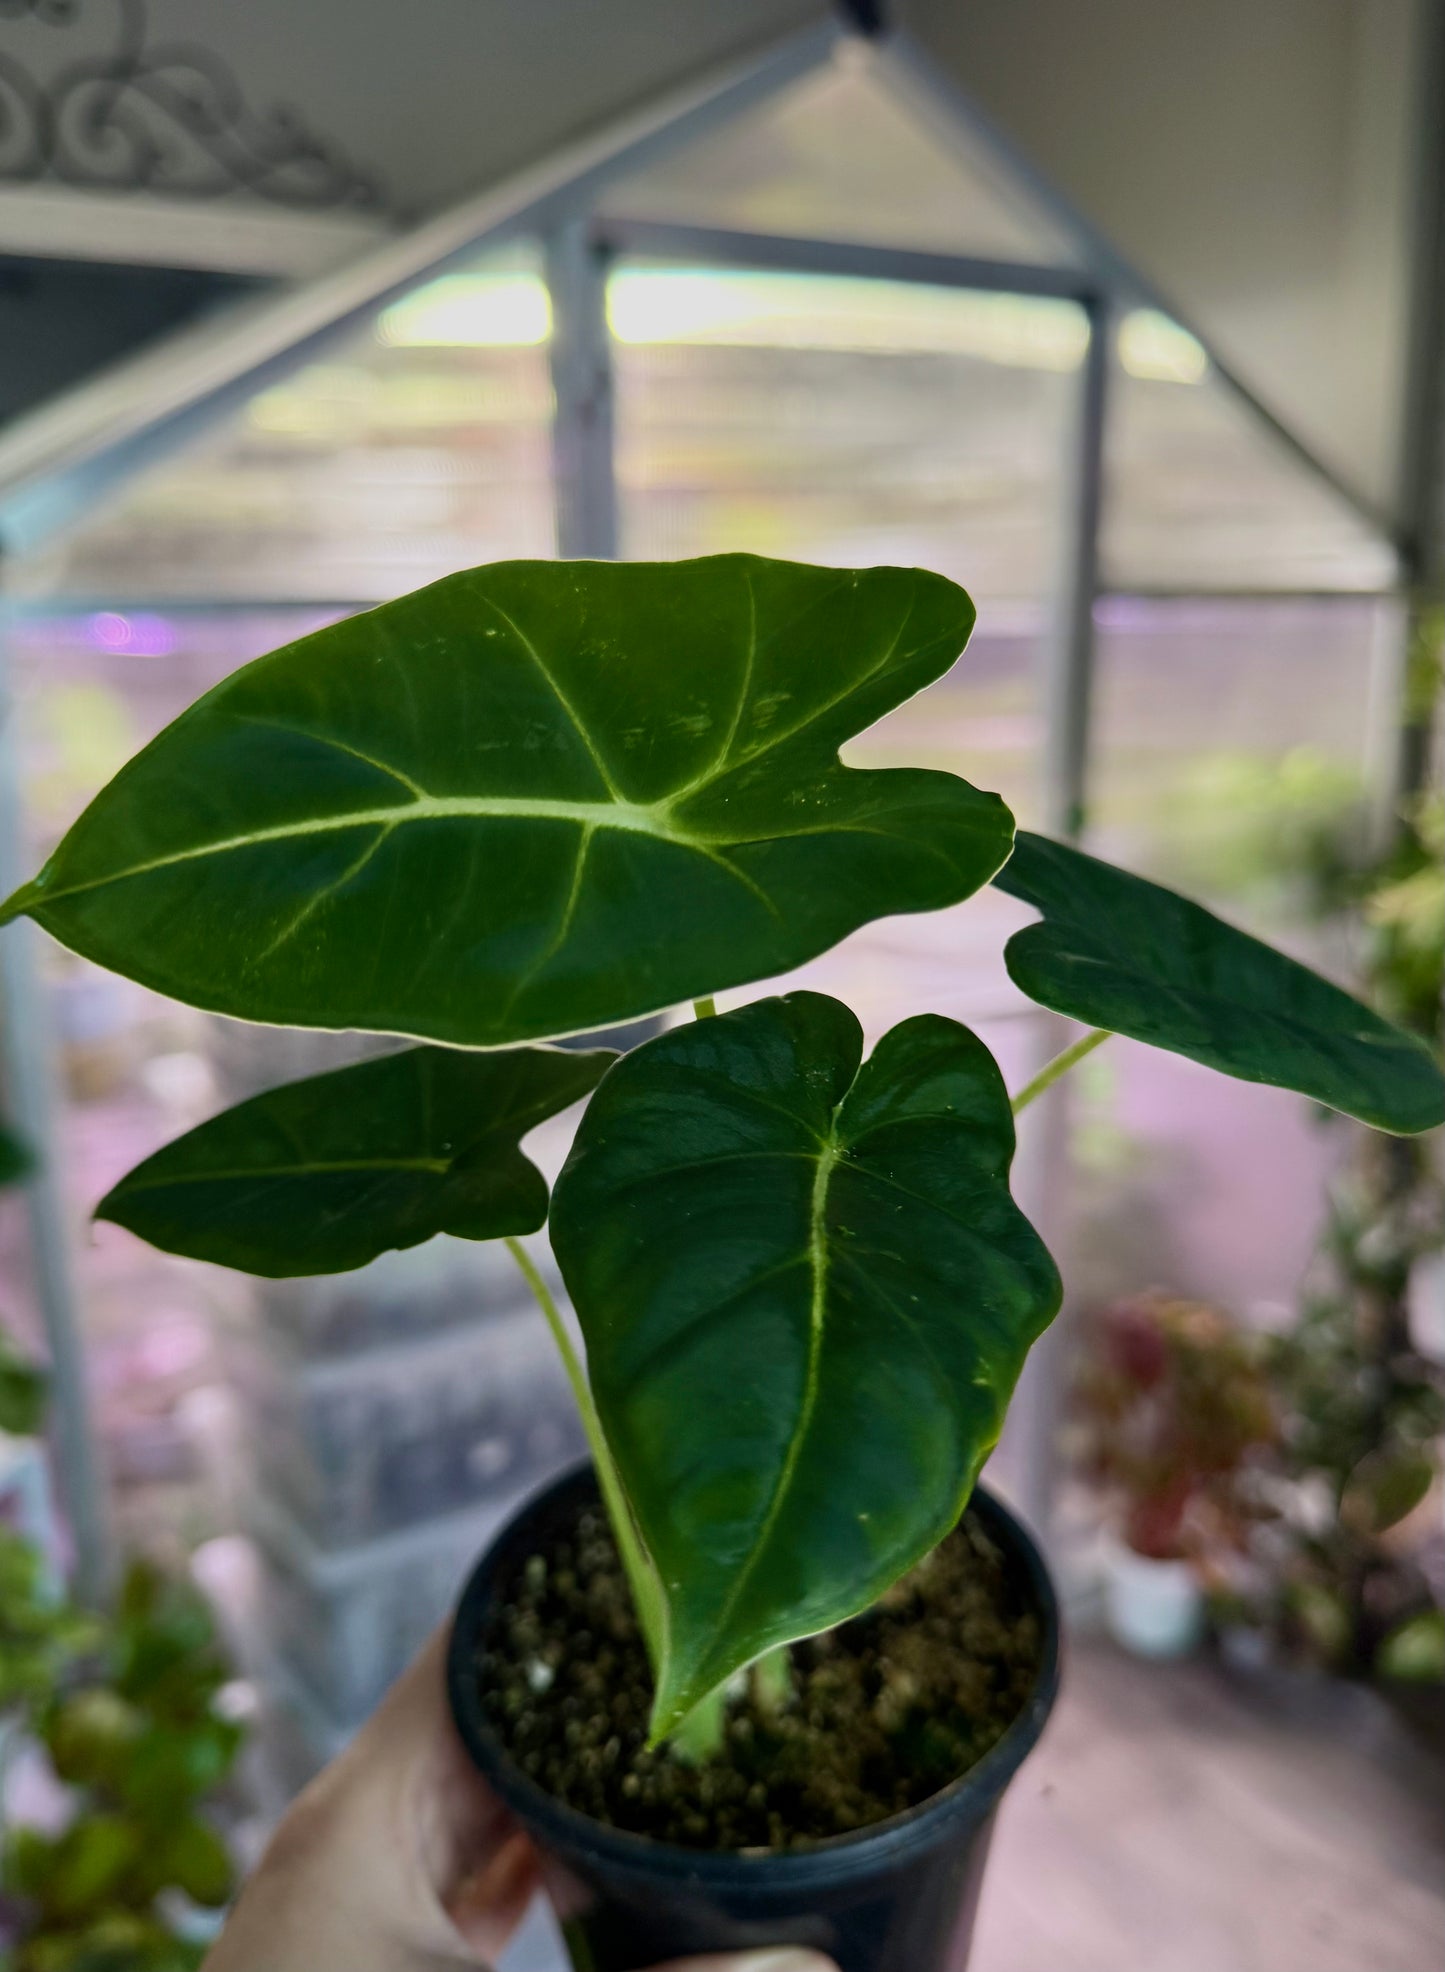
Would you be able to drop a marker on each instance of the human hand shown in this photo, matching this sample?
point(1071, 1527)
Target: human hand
point(399, 1858)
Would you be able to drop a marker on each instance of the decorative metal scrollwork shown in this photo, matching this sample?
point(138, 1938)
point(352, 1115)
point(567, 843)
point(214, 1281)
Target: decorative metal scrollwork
point(162, 116)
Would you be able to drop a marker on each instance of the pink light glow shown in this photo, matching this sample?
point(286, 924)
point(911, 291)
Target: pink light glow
point(138, 636)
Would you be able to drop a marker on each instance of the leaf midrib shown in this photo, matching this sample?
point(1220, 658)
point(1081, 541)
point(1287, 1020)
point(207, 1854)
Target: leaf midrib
point(586, 814)
point(438, 1166)
point(818, 1253)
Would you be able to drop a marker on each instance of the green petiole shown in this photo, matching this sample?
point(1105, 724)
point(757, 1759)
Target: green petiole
point(646, 1591)
point(1059, 1066)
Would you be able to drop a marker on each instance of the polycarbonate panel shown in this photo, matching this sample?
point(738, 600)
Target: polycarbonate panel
point(416, 446)
point(842, 156)
point(88, 690)
point(856, 422)
point(1228, 738)
point(1220, 727)
point(1200, 494)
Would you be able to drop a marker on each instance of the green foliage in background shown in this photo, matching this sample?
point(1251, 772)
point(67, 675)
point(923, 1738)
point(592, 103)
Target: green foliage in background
point(1364, 1406)
point(124, 1704)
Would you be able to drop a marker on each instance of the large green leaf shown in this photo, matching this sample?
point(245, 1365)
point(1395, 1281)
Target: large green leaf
point(321, 1176)
point(806, 1295)
point(532, 799)
point(1118, 952)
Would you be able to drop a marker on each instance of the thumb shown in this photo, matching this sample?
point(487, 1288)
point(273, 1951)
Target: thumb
point(783, 1958)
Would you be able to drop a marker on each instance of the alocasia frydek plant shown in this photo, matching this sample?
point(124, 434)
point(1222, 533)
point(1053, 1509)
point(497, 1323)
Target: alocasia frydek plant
point(537, 799)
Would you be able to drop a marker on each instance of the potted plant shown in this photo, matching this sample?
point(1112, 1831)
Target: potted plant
point(1177, 1403)
point(536, 799)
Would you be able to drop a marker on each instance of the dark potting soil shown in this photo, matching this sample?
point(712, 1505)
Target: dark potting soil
point(884, 1711)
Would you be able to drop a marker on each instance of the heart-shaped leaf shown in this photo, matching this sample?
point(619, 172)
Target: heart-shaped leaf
point(806, 1295)
point(532, 799)
point(321, 1176)
point(1118, 952)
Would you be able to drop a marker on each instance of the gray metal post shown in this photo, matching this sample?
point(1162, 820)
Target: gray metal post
point(581, 355)
point(1030, 1448)
point(1422, 431)
point(1068, 672)
point(32, 1092)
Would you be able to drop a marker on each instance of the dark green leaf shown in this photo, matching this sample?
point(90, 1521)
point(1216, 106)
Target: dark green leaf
point(1116, 951)
point(91, 1736)
point(189, 1856)
point(1415, 1650)
point(22, 1391)
point(806, 1295)
point(321, 1176)
point(1385, 1487)
point(532, 799)
point(15, 1159)
point(88, 1864)
point(172, 1765)
point(166, 1657)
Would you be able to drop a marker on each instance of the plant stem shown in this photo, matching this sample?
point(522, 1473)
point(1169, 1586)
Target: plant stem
point(1060, 1065)
point(700, 1735)
point(773, 1681)
point(705, 1008)
point(646, 1591)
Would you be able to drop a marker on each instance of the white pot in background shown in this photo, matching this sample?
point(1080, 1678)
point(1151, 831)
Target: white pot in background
point(1153, 1608)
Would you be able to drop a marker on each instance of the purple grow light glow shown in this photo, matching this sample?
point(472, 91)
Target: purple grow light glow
point(138, 636)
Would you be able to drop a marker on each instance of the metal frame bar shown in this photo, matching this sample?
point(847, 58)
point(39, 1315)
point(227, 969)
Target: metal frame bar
point(661, 239)
point(32, 1087)
point(1068, 680)
point(147, 229)
point(581, 356)
point(1066, 694)
point(1404, 769)
point(63, 458)
point(1422, 468)
point(25, 608)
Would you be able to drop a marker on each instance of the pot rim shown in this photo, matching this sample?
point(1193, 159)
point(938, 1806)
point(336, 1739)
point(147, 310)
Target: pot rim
point(970, 1798)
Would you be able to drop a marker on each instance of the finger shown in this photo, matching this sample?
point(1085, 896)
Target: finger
point(786, 1958)
point(408, 1817)
point(488, 1905)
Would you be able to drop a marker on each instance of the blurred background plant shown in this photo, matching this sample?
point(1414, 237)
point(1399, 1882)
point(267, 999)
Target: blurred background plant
point(125, 1715)
point(1351, 1572)
point(1177, 1406)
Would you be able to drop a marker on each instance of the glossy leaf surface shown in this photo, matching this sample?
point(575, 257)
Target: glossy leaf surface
point(806, 1295)
point(1116, 951)
point(532, 799)
point(321, 1176)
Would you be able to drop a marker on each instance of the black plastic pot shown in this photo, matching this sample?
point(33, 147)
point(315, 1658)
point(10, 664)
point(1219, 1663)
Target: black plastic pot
point(897, 1897)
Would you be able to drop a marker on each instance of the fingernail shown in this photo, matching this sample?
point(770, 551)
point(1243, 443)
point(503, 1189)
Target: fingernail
point(788, 1960)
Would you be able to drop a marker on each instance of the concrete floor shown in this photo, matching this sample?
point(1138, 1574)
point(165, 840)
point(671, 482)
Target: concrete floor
point(1174, 1819)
